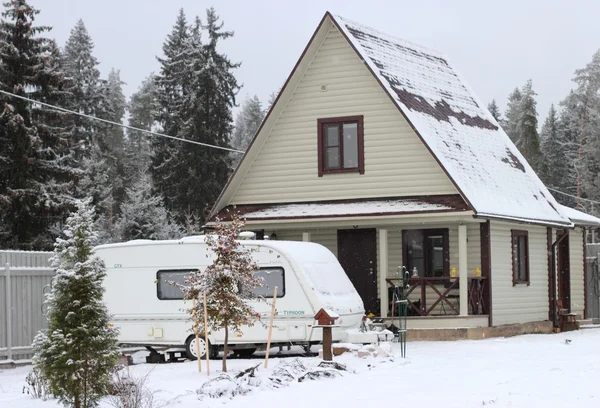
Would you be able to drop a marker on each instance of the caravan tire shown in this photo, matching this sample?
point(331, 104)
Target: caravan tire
point(190, 347)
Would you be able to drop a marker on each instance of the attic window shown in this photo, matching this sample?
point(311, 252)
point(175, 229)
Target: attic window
point(341, 145)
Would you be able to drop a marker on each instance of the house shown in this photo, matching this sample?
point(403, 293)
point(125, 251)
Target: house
point(378, 149)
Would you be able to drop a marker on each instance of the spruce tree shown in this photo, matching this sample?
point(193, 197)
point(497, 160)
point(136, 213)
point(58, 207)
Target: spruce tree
point(494, 110)
point(100, 146)
point(82, 67)
point(111, 140)
point(556, 166)
point(272, 99)
point(214, 88)
point(585, 124)
point(569, 149)
point(78, 350)
point(197, 90)
point(36, 165)
point(143, 112)
point(143, 215)
point(513, 112)
point(171, 86)
point(528, 141)
point(247, 123)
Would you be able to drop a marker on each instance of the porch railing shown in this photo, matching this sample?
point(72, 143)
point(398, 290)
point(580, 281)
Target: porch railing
point(426, 295)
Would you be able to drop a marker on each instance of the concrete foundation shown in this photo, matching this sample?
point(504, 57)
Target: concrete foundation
point(478, 333)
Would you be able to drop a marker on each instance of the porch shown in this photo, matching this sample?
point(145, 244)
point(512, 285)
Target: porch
point(440, 244)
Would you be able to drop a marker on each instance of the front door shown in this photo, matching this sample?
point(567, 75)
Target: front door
point(357, 253)
point(564, 274)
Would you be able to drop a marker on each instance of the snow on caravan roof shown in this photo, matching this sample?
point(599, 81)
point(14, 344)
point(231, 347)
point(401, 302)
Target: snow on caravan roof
point(311, 250)
point(460, 132)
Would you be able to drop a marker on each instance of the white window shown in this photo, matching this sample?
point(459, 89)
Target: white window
point(165, 290)
point(272, 277)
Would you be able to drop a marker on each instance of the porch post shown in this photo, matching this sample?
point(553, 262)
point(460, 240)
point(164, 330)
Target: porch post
point(462, 270)
point(306, 236)
point(383, 270)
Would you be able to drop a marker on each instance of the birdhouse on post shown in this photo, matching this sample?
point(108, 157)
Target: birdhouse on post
point(326, 320)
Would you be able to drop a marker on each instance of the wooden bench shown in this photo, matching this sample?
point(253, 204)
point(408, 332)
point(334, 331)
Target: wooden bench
point(568, 321)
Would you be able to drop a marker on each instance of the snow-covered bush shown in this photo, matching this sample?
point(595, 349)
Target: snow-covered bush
point(131, 391)
point(286, 372)
point(36, 385)
point(229, 283)
point(78, 350)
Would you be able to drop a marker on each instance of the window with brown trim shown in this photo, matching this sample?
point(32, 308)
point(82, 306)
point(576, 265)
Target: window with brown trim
point(520, 257)
point(341, 145)
point(427, 252)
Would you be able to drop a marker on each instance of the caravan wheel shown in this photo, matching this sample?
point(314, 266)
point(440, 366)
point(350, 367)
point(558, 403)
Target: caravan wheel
point(190, 347)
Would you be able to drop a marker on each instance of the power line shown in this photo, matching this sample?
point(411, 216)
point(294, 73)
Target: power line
point(120, 124)
point(573, 196)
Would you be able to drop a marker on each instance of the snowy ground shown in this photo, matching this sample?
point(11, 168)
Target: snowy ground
point(524, 371)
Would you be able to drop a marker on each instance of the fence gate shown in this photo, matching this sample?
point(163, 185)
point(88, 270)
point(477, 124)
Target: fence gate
point(593, 281)
point(24, 278)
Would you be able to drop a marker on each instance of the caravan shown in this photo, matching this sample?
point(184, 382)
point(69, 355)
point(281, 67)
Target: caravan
point(149, 311)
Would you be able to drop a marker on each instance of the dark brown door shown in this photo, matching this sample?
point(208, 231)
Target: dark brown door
point(357, 253)
point(564, 274)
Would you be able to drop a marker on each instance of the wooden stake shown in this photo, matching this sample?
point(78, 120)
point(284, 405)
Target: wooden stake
point(271, 326)
point(198, 344)
point(206, 337)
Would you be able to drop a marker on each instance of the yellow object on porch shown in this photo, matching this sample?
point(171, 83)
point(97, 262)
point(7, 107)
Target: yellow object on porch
point(453, 273)
point(478, 272)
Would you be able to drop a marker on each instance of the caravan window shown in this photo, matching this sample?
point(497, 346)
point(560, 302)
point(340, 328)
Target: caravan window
point(272, 277)
point(164, 289)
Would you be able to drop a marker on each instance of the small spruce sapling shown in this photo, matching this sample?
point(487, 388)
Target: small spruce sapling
point(229, 283)
point(78, 351)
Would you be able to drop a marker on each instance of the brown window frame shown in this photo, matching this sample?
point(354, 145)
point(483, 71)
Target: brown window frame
point(444, 232)
point(340, 121)
point(516, 234)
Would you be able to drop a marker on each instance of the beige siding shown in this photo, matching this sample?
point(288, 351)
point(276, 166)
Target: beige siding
point(521, 303)
point(396, 161)
point(576, 270)
point(325, 237)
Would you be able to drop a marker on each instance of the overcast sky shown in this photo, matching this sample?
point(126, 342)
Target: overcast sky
point(495, 45)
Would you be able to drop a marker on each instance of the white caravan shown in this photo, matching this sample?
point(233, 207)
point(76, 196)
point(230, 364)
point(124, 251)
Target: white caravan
point(148, 310)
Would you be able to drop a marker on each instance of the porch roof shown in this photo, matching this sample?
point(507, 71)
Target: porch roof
point(580, 218)
point(329, 209)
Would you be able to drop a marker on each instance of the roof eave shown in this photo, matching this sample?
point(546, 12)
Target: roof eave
point(523, 220)
point(354, 217)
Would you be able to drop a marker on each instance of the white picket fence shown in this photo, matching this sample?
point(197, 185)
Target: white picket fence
point(24, 278)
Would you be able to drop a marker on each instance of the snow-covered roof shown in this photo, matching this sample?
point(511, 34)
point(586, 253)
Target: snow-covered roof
point(460, 132)
point(349, 208)
point(579, 217)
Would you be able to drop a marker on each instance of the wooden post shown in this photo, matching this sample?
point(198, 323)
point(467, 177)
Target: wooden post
point(383, 270)
point(325, 320)
point(463, 280)
point(198, 357)
point(271, 326)
point(206, 336)
point(327, 340)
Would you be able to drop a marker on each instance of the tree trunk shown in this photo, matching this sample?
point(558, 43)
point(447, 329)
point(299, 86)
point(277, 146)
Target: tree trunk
point(77, 403)
point(225, 348)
